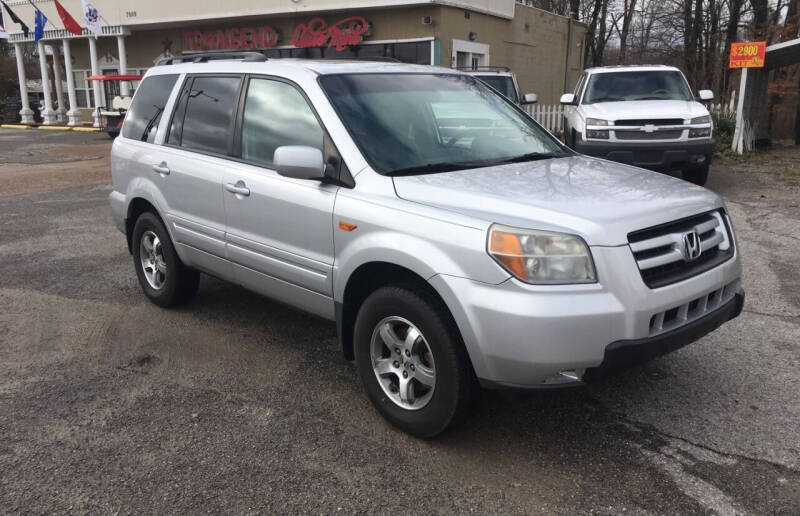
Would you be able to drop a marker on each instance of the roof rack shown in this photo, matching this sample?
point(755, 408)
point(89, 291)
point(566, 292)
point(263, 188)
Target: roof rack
point(381, 59)
point(484, 68)
point(204, 57)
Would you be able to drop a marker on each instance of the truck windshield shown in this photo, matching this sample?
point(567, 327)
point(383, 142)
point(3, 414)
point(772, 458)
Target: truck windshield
point(502, 83)
point(427, 123)
point(625, 86)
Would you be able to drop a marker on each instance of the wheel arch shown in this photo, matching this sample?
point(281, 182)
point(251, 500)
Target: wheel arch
point(367, 278)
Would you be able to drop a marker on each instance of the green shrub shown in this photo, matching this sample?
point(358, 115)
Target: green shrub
point(724, 126)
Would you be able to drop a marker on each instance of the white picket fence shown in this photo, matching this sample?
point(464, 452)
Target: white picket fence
point(551, 116)
point(725, 109)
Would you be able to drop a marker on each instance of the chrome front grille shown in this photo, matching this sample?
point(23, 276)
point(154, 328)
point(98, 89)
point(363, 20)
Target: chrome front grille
point(650, 121)
point(669, 134)
point(661, 251)
point(677, 316)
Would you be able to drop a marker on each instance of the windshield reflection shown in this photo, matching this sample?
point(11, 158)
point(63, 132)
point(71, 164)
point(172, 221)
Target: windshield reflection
point(428, 123)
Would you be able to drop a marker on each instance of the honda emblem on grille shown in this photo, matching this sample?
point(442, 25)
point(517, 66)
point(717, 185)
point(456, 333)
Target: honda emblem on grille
point(691, 246)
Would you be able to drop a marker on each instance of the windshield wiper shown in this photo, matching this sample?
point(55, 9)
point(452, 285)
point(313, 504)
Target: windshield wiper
point(432, 168)
point(605, 99)
point(532, 156)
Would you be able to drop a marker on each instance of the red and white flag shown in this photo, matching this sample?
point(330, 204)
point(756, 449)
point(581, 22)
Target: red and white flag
point(69, 22)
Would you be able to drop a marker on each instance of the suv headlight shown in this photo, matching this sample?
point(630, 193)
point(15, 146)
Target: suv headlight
point(705, 119)
point(701, 132)
point(541, 257)
point(598, 134)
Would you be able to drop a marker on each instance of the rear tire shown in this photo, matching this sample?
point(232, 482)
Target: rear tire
point(439, 389)
point(165, 280)
point(697, 175)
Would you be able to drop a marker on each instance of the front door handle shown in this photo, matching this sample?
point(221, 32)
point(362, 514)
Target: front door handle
point(239, 188)
point(161, 168)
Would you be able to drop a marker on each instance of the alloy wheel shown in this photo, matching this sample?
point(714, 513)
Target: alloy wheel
point(403, 363)
point(151, 254)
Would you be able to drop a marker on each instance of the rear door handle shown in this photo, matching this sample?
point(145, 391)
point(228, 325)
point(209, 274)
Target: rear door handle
point(239, 188)
point(161, 168)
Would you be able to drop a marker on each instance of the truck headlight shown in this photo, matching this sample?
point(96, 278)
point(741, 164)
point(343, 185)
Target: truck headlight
point(705, 119)
point(596, 134)
point(701, 132)
point(541, 257)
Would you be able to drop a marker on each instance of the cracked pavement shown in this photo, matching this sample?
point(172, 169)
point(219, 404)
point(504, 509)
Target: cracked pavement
point(237, 404)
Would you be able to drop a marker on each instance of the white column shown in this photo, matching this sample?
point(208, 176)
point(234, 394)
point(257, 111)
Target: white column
point(25, 113)
point(124, 87)
point(61, 111)
point(48, 115)
point(98, 102)
point(74, 114)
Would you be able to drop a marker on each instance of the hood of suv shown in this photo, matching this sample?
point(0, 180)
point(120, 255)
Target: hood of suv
point(649, 109)
point(599, 200)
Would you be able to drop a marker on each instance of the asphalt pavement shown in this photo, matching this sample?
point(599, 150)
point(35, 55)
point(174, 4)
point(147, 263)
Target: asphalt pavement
point(238, 404)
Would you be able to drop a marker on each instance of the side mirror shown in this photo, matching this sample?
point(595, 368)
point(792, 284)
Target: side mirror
point(568, 99)
point(530, 98)
point(299, 162)
point(705, 95)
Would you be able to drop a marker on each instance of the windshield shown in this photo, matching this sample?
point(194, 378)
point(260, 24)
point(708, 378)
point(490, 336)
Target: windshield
point(425, 123)
point(622, 86)
point(502, 83)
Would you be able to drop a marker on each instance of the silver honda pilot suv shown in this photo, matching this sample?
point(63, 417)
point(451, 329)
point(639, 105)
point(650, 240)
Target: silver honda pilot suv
point(453, 240)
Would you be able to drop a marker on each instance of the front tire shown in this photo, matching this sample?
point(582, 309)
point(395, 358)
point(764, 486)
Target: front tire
point(697, 175)
point(412, 361)
point(165, 280)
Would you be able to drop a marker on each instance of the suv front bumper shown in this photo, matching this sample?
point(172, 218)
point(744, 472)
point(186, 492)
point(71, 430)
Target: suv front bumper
point(624, 354)
point(524, 336)
point(653, 155)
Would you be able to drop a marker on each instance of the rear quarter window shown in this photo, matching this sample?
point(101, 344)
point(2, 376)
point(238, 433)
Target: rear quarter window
point(147, 107)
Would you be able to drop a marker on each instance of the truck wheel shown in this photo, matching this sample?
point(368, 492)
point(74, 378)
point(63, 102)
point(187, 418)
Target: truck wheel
point(165, 280)
point(697, 175)
point(412, 361)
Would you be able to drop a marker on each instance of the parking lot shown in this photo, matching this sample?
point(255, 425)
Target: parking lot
point(237, 404)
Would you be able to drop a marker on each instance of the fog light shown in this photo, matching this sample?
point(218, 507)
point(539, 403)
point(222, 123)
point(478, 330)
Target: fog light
point(597, 134)
point(700, 133)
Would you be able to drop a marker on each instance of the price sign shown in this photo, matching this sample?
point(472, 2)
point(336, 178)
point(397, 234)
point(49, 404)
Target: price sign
point(748, 54)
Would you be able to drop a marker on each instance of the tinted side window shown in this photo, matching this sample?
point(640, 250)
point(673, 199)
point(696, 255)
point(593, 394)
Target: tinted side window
point(210, 111)
point(148, 104)
point(276, 114)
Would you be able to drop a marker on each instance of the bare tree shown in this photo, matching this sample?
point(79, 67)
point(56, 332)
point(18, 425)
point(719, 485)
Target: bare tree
point(628, 10)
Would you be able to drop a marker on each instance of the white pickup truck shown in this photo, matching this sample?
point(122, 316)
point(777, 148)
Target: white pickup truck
point(641, 115)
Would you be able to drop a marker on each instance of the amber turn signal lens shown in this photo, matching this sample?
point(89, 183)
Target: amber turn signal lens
point(346, 226)
point(507, 249)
